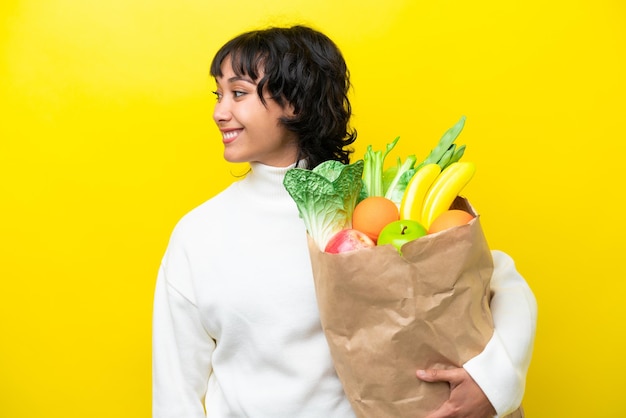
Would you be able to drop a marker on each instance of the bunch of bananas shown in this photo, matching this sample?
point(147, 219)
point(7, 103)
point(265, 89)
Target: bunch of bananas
point(431, 191)
point(438, 180)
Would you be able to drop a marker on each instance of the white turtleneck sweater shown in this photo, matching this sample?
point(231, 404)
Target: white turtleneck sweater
point(236, 328)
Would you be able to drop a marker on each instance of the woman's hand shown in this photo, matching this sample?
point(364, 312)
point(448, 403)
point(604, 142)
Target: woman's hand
point(466, 400)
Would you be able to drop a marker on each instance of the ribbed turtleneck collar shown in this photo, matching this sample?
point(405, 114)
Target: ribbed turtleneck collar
point(267, 180)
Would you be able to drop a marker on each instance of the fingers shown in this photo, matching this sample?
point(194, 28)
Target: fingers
point(440, 375)
point(466, 398)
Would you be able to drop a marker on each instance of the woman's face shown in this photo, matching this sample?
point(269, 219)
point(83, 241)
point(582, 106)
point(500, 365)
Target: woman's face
point(250, 130)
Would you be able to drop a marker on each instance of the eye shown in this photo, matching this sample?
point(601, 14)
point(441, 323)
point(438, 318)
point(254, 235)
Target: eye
point(218, 95)
point(238, 94)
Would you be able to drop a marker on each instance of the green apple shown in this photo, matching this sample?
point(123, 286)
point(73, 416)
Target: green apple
point(400, 232)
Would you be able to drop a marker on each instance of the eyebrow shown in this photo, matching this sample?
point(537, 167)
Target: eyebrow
point(240, 78)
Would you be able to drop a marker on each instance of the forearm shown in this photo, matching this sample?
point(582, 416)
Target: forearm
point(181, 356)
point(500, 370)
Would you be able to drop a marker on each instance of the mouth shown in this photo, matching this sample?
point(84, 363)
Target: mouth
point(230, 135)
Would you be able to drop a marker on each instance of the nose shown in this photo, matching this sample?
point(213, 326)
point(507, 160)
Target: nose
point(221, 111)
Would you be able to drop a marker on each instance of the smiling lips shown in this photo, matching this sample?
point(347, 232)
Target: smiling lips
point(230, 136)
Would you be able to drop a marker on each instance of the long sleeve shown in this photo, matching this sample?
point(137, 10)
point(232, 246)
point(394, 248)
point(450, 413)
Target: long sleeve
point(182, 349)
point(500, 369)
point(236, 321)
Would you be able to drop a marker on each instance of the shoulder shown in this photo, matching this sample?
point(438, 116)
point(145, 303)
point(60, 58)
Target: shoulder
point(504, 270)
point(205, 218)
point(505, 273)
point(502, 260)
point(192, 234)
point(209, 211)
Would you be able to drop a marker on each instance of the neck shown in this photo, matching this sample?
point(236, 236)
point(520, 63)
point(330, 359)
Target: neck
point(267, 180)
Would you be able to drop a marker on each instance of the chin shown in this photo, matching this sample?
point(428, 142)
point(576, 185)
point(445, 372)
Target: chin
point(232, 157)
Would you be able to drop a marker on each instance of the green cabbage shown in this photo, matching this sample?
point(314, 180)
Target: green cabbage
point(325, 197)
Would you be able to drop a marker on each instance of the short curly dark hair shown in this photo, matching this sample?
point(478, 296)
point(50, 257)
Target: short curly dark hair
point(303, 67)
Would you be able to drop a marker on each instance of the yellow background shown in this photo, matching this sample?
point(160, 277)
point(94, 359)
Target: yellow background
point(107, 139)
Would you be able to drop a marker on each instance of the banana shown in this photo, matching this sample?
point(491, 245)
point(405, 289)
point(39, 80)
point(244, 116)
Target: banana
point(445, 189)
point(413, 198)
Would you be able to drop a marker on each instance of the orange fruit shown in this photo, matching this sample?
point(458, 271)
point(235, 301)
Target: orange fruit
point(449, 219)
point(372, 214)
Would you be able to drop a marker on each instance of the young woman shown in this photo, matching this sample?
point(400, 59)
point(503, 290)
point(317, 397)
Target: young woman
point(236, 325)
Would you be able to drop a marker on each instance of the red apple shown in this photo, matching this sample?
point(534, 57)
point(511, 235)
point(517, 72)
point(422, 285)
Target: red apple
point(348, 240)
point(400, 232)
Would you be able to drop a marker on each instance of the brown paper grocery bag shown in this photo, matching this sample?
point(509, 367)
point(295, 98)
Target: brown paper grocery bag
point(386, 315)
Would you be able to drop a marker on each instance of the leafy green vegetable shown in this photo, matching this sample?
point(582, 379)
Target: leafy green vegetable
point(396, 193)
point(373, 169)
point(390, 173)
point(325, 196)
point(391, 182)
point(445, 153)
point(404, 171)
